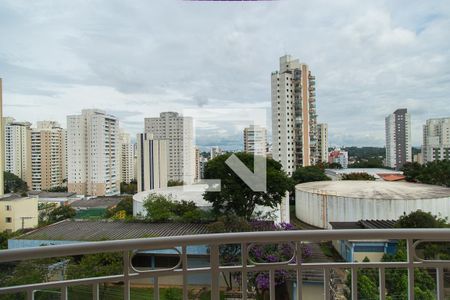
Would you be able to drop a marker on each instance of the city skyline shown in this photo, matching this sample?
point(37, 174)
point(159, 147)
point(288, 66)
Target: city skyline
point(382, 58)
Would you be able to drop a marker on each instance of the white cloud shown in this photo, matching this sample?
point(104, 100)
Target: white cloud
point(369, 57)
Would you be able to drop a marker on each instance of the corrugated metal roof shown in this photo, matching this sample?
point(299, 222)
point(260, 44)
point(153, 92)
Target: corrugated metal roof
point(364, 224)
point(84, 230)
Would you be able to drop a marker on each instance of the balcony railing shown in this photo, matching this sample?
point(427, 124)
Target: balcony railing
point(413, 237)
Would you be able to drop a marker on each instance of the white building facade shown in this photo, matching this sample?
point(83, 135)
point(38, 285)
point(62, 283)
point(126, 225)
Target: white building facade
point(294, 118)
point(18, 149)
point(127, 158)
point(255, 140)
point(398, 139)
point(93, 153)
point(436, 140)
point(179, 133)
point(152, 162)
point(48, 156)
point(322, 142)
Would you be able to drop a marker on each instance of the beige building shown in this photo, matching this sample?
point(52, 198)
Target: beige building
point(152, 162)
point(48, 156)
point(2, 141)
point(18, 213)
point(127, 155)
point(255, 140)
point(179, 132)
point(197, 163)
point(294, 118)
point(322, 142)
point(436, 140)
point(18, 148)
point(93, 153)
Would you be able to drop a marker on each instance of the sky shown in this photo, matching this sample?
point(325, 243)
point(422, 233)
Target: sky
point(136, 59)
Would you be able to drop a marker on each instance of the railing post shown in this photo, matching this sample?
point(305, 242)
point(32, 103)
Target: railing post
point(244, 258)
point(155, 288)
point(440, 283)
point(354, 283)
point(64, 295)
point(126, 274)
point(30, 295)
point(214, 264)
point(410, 257)
point(299, 279)
point(184, 261)
point(326, 284)
point(95, 291)
point(382, 285)
point(272, 284)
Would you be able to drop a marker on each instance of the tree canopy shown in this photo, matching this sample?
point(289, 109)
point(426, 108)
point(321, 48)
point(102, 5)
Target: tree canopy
point(125, 205)
point(436, 172)
point(357, 176)
point(14, 184)
point(309, 174)
point(159, 208)
point(236, 197)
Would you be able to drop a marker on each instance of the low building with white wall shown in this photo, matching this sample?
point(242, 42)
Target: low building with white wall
point(319, 203)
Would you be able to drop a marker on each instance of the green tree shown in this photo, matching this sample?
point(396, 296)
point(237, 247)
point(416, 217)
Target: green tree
point(126, 204)
point(357, 176)
point(61, 213)
point(60, 189)
point(436, 172)
point(411, 171)
point(128, 188)
point(158, 208)
point(236, 197)
point(309, 174)
point(13, 183)
point(175, 183)
point(420, 219)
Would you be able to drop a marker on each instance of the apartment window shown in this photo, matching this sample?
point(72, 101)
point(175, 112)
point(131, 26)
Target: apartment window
point(8, 220)
point(8, 207)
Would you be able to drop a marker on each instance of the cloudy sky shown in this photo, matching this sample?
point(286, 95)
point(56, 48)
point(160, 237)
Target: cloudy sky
point(136, 59)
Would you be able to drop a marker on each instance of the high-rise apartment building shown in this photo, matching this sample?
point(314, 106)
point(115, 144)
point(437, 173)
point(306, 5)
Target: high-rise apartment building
point(48, 156)
point(179, 133)
point(127, 155)
point(18, 149)
point(255, 140)
point(2, 142)
point(152, 162)
point(322, 142)
point(294, 118)
point(398, 138)
point(93, 150)
point(197, 163)
point(436, 140)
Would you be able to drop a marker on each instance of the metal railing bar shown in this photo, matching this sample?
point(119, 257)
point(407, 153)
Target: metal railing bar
point(156, 287)
point(95, 291)
point(244, 258)
point(30, 294)
point(272, 284)
point(216, 239)
point(126, 273)
point(64, 294)
point(354, 274)
point(184, 265)
point(326, 284)
point(410, 251)
point(382, 284)
point(299, 276)
point(440, 283)
point(215, 272)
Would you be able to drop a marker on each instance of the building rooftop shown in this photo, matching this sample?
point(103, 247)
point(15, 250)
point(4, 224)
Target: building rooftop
point(43, 194)
point(99, 202)
point(378, 173)
point(384, 190)
point(83, 230)
point(364, 224)
point(11, 197)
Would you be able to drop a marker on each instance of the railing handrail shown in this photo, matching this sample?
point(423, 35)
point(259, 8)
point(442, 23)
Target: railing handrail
point(221, 238)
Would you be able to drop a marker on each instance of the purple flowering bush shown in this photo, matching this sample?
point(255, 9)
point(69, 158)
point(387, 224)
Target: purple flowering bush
point(273, 253)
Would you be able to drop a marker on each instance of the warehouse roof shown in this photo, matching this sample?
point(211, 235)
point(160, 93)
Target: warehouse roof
point(99, 202)
point(364, 224)
point(375, 189)
point(43, 194)
point(84, 230)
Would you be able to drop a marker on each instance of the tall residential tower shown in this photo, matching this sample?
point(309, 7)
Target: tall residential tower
point(398, 138)
point(255, 140)
point(294, 118)
point(93, 150)
point(436, 140)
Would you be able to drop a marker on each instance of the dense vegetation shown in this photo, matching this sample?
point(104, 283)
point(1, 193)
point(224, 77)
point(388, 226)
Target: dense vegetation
point(357, 176)
point(236, 197)
point(128, 188)
point(436, 172)
point(308, 174)
point(14, 184)
point(397, 279)
point(123, 209)
point(175, 182)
